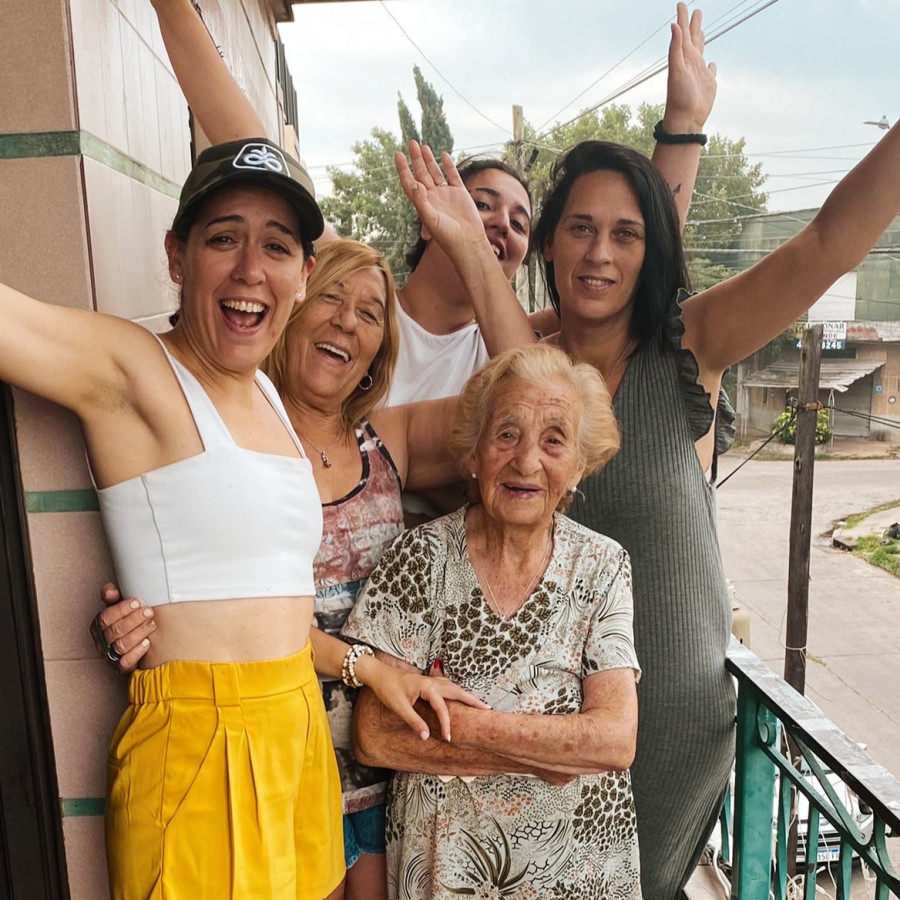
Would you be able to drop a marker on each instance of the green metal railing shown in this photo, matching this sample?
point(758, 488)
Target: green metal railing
point(793, 765)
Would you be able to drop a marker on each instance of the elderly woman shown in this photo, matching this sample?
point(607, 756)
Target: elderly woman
point(222, 779)
point(531, 613)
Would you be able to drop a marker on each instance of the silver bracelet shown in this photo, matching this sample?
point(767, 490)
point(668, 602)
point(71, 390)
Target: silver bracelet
point(348, 667)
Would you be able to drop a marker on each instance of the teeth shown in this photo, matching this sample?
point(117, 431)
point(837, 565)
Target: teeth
point(496, 250)
point(597, 282)
point(343, 354)
point(248, 306)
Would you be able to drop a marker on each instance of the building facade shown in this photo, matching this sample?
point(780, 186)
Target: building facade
point(95, 141)
point(860, 375)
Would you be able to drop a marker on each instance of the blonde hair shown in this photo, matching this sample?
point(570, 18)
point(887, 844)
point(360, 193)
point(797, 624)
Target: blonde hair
point(598, 433)
point(334, 262)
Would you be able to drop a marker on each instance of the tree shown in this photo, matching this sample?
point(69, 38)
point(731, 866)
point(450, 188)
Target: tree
point(368, 203)
point(727, 189)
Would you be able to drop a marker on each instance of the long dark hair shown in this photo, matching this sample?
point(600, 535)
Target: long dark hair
point(468, 168)
point(664, 269)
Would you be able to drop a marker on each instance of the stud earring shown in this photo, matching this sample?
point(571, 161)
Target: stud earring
point(176, 278)
point(474, 476)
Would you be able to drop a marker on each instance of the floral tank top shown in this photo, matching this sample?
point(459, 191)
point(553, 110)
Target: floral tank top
point(357, 529)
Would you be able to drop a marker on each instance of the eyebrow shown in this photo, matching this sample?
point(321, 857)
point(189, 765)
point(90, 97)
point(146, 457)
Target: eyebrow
point(343, 287)
point(235, 217)
point(496, 195)
point(587, 217)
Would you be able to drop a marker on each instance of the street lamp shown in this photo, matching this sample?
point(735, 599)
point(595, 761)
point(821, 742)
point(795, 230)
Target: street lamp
point(882, 123)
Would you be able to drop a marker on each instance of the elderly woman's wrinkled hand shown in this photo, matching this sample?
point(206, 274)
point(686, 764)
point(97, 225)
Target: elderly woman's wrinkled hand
point(121, 632)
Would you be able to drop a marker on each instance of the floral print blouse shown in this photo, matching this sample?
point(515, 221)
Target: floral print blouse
point(506, 836)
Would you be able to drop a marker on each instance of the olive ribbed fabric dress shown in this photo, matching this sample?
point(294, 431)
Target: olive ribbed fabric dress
point(653, 498)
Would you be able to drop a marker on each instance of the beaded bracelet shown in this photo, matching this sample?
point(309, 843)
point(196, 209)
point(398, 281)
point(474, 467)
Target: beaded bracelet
point(348, 666)
point(661, 136)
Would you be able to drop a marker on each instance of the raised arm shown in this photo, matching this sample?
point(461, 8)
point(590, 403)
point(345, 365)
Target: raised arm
point(448, 212)
point(731, 320)
point(691, 90)
point(221, 107)
point(66, 355)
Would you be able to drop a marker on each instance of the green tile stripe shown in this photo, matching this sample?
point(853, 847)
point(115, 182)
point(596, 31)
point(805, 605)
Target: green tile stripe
point(61, 501)
point(80, 143)
point(76, 807)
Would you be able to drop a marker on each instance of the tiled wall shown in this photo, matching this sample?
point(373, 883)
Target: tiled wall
point(94, 144)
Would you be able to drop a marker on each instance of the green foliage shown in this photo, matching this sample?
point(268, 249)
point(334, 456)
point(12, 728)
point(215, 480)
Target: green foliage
point(612, 123)
point(885, 555)
point(367, 203)
point(785, 427)
point(435, 129)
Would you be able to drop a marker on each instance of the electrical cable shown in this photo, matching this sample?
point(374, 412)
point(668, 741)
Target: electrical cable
point(441, 74)
point(652, 70)
point(768, 440)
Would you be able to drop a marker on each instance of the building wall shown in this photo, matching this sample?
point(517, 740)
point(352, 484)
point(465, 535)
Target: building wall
point(94, 144)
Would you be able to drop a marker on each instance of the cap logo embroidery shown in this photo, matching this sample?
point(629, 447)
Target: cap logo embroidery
point(261, 156)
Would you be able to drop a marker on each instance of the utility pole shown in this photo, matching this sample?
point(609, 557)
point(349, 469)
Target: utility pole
point(807, 412)
point(518, 117)
point(808, 407)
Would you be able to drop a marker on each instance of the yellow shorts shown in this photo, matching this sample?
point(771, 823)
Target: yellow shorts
point(222, 783)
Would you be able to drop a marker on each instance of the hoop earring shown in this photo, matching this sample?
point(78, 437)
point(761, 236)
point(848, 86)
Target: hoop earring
point(366, 383)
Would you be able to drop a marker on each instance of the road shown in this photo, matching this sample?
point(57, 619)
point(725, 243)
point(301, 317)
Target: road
point(853, 660)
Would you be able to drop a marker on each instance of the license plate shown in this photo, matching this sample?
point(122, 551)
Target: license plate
point(828, 854)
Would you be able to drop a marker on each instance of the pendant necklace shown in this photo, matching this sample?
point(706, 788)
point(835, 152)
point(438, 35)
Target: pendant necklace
point(326, 462)
point(545, 557)
point(618, 362)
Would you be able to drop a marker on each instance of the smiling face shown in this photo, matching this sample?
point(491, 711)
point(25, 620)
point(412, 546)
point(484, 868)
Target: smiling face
point(597, 249)
point(505, 210)
point(527, 457)
point(241, 267)
point(334, 338)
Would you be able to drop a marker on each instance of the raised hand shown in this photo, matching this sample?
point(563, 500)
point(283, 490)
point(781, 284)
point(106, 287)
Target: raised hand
point(691, 87)
point(444, 205)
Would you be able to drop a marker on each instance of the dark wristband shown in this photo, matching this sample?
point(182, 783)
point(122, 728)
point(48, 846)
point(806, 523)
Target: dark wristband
point(661, 136)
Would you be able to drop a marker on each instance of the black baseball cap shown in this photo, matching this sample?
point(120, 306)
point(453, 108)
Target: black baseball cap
point(252, 161)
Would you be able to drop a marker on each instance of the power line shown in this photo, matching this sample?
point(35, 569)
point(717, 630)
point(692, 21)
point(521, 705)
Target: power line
point(655, 69)
point(441, 75)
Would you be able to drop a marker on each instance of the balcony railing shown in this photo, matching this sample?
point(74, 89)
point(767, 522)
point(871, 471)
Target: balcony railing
point(844, 803)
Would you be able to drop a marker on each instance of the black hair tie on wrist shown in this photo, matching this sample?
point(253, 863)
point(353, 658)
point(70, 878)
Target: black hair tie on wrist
point(661, 136)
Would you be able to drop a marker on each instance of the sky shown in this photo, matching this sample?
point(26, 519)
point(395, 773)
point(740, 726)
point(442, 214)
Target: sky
point(797, 80)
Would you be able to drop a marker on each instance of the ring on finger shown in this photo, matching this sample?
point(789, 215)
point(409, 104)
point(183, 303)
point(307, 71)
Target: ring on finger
point(108, 650)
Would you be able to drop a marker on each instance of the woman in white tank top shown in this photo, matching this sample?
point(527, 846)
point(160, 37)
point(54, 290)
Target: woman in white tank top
point(202, 797)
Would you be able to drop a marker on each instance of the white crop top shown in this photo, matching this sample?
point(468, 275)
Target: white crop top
point(222, 525)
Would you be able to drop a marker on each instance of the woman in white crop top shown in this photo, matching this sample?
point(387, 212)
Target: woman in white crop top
point(332, 367)
point(216, 788)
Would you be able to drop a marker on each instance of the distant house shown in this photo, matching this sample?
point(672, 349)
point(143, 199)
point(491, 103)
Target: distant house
point(860, 376)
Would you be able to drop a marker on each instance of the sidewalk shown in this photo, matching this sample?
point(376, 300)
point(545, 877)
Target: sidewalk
point(876, 525)
point(836, 448)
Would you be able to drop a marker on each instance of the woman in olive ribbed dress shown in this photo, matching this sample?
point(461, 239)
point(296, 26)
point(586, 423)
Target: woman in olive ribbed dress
point(614, 264)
